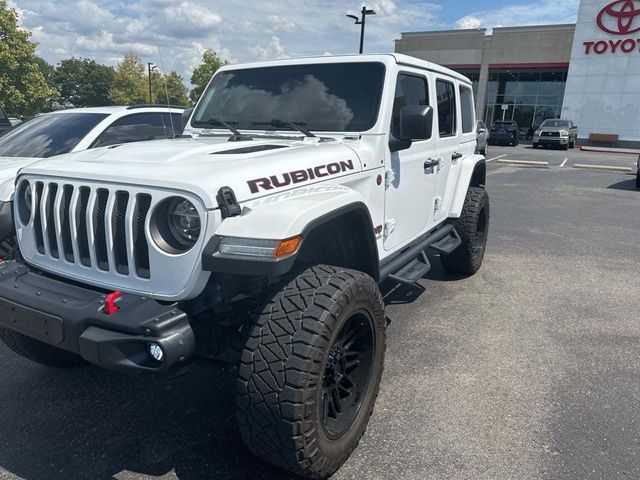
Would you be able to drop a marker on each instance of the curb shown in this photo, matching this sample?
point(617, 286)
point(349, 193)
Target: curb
point(622, 151)
point(603, 167)
point(525, 162)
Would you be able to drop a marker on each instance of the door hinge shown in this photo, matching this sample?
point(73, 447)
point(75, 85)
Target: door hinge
point(389, 177)
point(437, 204)
point(389, 227)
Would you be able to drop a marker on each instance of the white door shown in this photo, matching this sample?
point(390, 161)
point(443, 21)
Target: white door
point(411, 182)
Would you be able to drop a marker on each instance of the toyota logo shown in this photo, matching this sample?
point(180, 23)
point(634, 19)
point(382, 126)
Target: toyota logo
point(619, 17)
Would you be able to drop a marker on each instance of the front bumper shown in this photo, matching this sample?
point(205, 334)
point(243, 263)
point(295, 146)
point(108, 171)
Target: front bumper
point(551, 141)
point(502, 138)
point(71, 317)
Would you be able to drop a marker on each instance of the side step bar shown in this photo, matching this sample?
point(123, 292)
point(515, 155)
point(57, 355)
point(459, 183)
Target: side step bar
point(412, 264)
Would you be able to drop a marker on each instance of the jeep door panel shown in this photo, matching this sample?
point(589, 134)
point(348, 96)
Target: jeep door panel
point(407, 202)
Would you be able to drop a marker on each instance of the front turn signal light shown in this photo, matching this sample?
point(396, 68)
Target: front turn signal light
point(287, 247)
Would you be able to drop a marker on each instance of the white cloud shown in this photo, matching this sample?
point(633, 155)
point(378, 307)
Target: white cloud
point(542, 13)
point(469, 22)
point(174, 33)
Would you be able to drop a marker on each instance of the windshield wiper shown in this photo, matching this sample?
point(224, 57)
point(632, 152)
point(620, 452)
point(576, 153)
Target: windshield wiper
point(281, 123)
point(216, 122)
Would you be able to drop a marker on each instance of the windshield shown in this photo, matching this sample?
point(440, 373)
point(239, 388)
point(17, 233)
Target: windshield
point(555, 124)
point(332, 97)
point(48, 135)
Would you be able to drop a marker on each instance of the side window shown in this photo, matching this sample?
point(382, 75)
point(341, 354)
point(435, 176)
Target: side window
point(410, 90)
point(466, 104)
point(446, 108)
point(136, 128)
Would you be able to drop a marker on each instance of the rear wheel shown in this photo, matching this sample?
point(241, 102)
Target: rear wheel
point(473, 228)
point(310, 370)
point(39, 352)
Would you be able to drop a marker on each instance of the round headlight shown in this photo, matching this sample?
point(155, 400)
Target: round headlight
point(184, 221)
point(24, 202)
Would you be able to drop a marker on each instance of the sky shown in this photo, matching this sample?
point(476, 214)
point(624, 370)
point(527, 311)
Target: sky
point(174, 33)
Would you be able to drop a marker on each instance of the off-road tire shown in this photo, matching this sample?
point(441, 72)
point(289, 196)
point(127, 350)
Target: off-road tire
point(473, 227)
point(282, 369)
point(40, 352)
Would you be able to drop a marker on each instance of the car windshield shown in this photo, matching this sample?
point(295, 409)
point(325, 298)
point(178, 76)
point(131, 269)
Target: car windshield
point(331, 97)
point(48, 135)
point(555, 124)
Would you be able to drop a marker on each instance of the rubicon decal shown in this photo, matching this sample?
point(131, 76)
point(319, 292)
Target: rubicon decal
point(299, 176)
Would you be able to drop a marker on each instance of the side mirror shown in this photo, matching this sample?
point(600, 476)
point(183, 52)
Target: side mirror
point(186, 115)
point(416, 122)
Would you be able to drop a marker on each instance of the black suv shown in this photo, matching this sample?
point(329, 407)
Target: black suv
point(504, 132)
point(5, 124)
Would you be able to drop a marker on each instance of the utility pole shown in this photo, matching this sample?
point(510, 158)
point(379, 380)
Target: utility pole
point(150, 67)
point(361, 21)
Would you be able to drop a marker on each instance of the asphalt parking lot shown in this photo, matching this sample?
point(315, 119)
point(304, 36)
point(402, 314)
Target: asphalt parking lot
point(527, 370)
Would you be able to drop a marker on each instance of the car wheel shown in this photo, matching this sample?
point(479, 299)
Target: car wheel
point(310, 370)
point(535, 145)
point(638, 179)
point(473, 228)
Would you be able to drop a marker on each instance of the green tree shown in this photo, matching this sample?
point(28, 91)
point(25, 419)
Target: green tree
point(129, 84)
point(169, 88)
point(82, 82)
point(211, 62)
point(23, 87)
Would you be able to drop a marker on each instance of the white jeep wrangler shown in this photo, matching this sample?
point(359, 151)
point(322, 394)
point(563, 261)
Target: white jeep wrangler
point(299, 186)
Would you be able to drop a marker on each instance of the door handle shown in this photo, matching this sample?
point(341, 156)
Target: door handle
point(431, 164)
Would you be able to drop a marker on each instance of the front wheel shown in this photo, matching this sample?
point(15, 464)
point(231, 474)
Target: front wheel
point(310, 371)
point(473, 227)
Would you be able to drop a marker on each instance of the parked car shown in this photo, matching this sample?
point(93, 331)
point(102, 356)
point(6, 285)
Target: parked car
point(482, 138)
point(556, 133)
point(5, 123)
point(74, 130)
point(264, 235)
point(504, 132)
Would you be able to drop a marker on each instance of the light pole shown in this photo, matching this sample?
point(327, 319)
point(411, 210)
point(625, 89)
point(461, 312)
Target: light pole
point(361, 21)
point(150, 67)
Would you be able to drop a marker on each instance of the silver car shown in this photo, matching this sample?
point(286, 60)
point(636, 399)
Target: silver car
point(556, 133)
point(482, 138)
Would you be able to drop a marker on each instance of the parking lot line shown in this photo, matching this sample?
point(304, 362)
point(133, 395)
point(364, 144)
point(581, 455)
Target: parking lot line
point(496, 158)
point(603, 167)
point(525, 162)
point(564, 162)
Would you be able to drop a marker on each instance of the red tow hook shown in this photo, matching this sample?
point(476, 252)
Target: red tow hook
point(110, 303)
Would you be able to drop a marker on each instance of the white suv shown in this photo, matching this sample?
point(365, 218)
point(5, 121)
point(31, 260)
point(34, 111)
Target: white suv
point(303, 184)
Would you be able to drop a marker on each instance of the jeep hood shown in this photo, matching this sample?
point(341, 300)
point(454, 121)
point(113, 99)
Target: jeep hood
point(203, 165)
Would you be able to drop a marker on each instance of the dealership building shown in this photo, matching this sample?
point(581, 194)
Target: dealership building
point(588, 72)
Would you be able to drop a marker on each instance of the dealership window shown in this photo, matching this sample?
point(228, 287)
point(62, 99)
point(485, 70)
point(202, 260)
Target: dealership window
point(466, 104)
point(530, 95)
point(410, 90)
point(445, 93)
